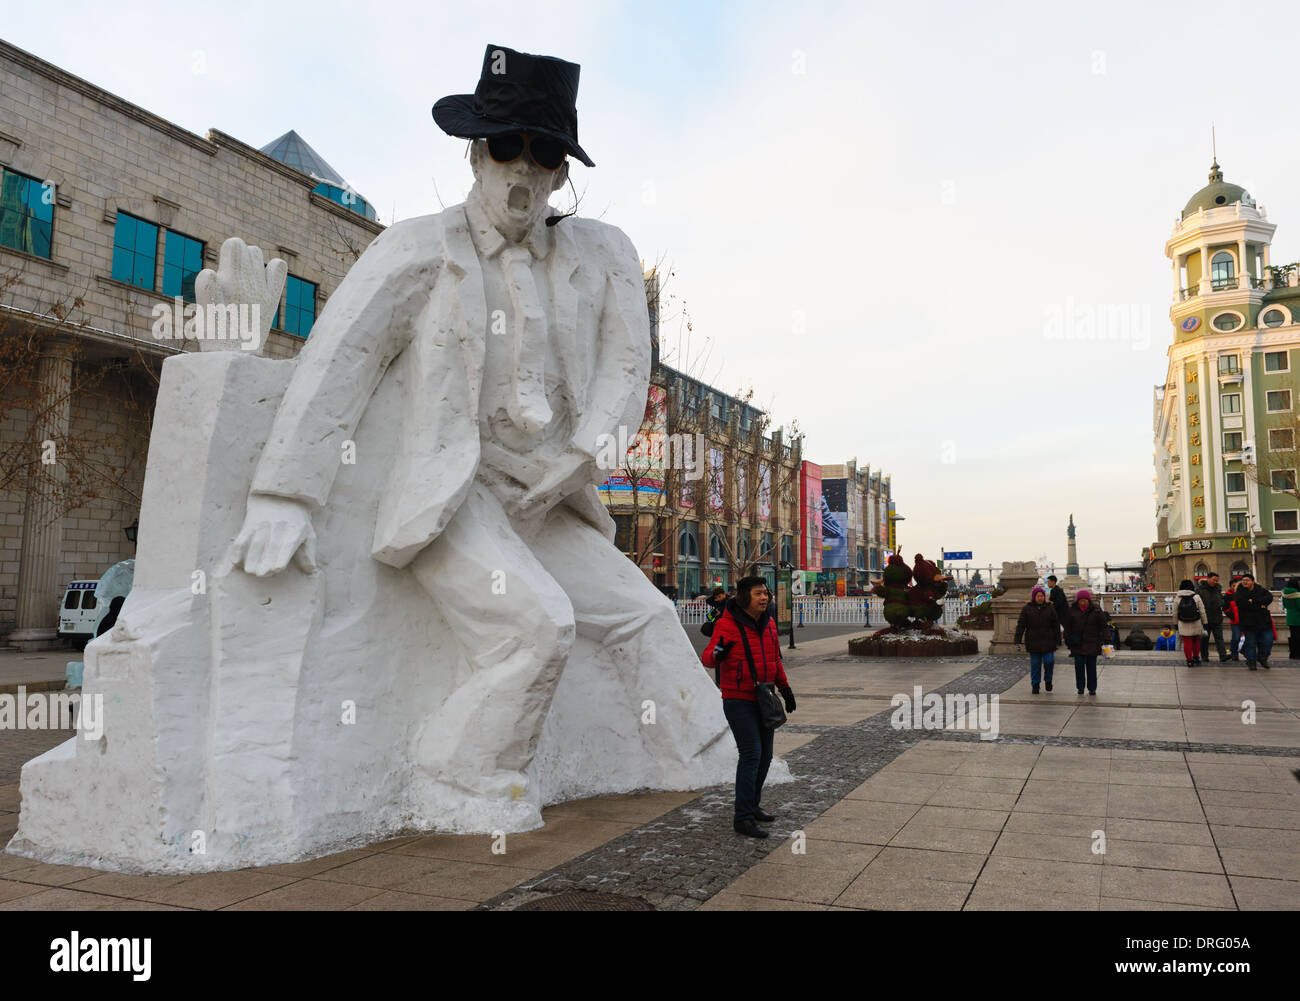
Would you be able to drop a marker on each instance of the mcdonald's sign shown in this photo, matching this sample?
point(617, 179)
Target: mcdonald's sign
point(1240, 542)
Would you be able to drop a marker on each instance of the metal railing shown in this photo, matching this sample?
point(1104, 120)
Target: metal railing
point(813, 611)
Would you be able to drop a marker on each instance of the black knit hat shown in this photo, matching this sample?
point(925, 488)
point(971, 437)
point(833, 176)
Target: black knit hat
point(517, 92)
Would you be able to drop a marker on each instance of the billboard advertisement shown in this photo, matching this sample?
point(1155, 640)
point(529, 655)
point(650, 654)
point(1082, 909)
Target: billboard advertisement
point(765, 491)
point(835, 524)
point(645, 458)
point(810, 514)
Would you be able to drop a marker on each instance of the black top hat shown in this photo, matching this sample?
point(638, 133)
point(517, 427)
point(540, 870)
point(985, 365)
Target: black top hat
point(517, 92)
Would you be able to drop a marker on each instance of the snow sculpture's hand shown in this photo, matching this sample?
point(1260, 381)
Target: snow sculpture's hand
point(563, 476)
point(241, 279)
point(276, 530)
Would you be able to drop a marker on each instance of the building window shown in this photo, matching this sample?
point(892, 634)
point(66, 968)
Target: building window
point(1236, 483)
point(1277, 400)
point(1221, 271)
point(765, 548)
point(1226, 321)
point(26, 213)
point(1232, 441)
point(1238, 523)
point(745, 547)
point(1231, 403)
point(787, 549)
point(1284, 521)
point(862, 558)
point(688, 541)
point(623, 533)
point(1282, 480)
point(299, 306)
point(135, 251)
point(717, 552)
point(1281, 439)
point(1276, 361)
point(1274, 318)
point(1229, 364)
point(182, 262)
point(348, 199)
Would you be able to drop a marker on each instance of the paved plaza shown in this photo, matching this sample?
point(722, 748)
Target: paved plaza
point(1155, 794)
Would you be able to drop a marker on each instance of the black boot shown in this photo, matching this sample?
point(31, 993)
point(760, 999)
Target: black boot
point(763, 817)
point(749, 828)
point(1035, 689)
point(1264, 664)
point(1049, 686)
point(1251, 664)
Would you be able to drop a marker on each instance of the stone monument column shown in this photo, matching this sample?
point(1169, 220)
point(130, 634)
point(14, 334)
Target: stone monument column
point(39, 590)
point(1018, 579)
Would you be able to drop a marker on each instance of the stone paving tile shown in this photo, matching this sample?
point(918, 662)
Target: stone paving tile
point(784, 882)
point(307, 895)
point(1170, 832)
point(313, 867)
point(1238, 816)
point(820, 854)
point(1261, 862)
point(9, 798)
point(1048, 796)
point(1025, 875)
point(1048, 847)
point(1119, 904)
point(871, 892)
point(535, 850)
point(10, 890)
point(729, 901)
point(953, 816)
point(917, 863)
point(1056, 824)
point(948, 839)
point(467, 881)
point(990, 897)
point(1255, 894)
point(49, 875)
point(212, 891)
point(59, 899)
point(117, 884)
point(1154, 803)
point(396, 900)
point(1166, 886)
point(1265, 838)
point(1153, 855)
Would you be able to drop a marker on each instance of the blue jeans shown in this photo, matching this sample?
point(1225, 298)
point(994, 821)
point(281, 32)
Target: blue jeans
point(754, 741)
point(1259, 644)
point(1085, 664)
point(1236, 638)
point(1044, 661)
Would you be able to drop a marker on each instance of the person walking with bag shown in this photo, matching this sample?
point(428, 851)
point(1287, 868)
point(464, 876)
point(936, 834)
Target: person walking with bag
point(1085, 633)
point(746, 652)
point(1191, 621)
point(1213, 600)
point(717, 604)
point(1041, 630)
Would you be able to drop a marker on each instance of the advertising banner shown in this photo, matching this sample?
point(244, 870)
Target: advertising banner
point(835, 518)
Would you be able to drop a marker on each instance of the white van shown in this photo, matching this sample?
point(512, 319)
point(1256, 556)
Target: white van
point(90, 607)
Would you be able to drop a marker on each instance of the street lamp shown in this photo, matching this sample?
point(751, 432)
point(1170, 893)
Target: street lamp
point(131, 531)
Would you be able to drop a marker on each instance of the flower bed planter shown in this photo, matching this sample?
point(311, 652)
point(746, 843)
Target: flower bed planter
point(914, 643)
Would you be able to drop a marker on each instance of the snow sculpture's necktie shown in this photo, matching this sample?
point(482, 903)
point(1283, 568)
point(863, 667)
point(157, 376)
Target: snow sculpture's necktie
point(528, 408)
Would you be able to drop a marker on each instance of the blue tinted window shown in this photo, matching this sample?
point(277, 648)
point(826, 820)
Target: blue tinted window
point(182, 262)
point(135, 251)
point(348, 199)
point(299, 306)
point(26, 213)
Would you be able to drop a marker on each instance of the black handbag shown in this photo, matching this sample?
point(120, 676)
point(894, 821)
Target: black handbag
point(771, 707)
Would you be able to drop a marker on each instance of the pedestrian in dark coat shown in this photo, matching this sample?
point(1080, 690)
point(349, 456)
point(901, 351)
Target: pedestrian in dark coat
point(748, 611)
point(1056, 595)
point(1085, 633)
point(1256, 621)
point(1041, 631)
point(1213, 600)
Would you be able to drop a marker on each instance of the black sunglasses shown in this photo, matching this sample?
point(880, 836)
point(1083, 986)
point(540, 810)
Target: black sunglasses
point(545, 152)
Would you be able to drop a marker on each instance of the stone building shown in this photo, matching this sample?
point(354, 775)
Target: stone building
point(1226, 454)
point(855, 525)
point(108, 213)
point(709, 495)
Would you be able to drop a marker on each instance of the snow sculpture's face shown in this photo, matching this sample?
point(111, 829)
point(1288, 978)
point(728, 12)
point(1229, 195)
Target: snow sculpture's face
point(513, 195)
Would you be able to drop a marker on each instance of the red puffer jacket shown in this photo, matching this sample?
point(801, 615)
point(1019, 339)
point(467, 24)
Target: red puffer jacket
point(764, 644)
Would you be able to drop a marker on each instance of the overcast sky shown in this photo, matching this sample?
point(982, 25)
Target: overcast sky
point(892, 221)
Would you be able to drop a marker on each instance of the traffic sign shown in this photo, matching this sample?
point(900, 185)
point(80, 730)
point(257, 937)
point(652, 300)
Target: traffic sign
point(964, 555)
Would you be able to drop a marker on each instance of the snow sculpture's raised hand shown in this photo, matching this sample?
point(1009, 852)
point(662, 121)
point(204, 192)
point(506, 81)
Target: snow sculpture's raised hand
point(241, 280)
point(275, 531)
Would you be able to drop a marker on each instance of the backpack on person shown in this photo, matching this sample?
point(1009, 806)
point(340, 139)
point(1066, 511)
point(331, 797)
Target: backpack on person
point(1187, 610)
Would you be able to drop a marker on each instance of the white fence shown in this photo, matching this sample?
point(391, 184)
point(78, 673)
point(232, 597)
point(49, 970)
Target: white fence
point(813, 611)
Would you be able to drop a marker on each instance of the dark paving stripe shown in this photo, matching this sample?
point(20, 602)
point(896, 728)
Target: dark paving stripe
point(686, 856)
point(1124, 744)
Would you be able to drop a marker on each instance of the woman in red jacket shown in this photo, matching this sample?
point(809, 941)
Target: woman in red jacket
point(726, 653)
